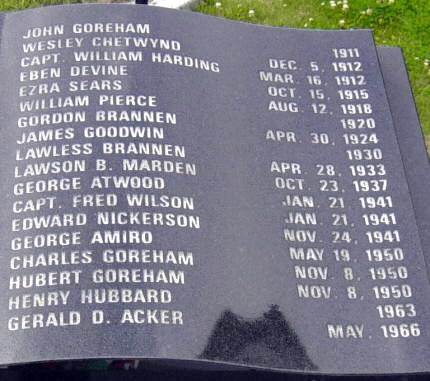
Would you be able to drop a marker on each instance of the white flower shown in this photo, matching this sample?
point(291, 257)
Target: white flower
point(369, 11)
point(311, 19)
point(345, 7)
point(323, 3)
point(218, 4)
point(342, 22)
point(426, 63)
point(306, 25)
point(333, 4)
point(251, 13)
point(391, 1)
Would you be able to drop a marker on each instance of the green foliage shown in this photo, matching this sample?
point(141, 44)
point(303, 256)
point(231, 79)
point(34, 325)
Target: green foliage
point(14, 5)
point(404, 23)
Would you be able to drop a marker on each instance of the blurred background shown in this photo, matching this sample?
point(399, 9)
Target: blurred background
point(404, 23)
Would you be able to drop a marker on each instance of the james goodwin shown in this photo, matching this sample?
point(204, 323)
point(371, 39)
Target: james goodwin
point(73, 318)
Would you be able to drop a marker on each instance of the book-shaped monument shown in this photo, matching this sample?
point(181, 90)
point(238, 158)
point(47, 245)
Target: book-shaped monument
point(236, 197)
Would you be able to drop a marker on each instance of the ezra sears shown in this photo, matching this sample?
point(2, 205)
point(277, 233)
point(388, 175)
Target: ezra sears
point(97, 296)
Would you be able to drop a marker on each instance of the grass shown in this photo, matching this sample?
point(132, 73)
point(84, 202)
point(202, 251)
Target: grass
point(404, 23)
point(13, 5)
